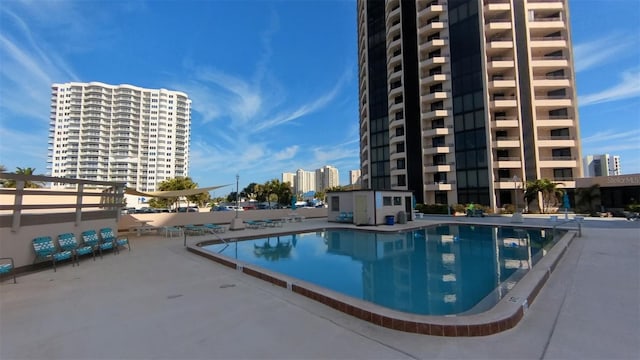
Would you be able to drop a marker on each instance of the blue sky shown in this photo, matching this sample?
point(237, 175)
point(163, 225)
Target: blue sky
point(274, 84)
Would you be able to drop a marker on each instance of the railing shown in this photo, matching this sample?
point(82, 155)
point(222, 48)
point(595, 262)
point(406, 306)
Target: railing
point(508, 158)
point(557, 137)
point(550, 158)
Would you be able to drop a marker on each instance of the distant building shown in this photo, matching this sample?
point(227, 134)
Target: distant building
point(354, 177)
point(327, 177)
point(288, 177)
point(119, 133)
point(602, 165)
point(304, 181)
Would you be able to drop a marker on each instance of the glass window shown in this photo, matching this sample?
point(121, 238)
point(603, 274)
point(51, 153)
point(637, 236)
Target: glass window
point(335, 203)
point(386, 201)
point(397, 200)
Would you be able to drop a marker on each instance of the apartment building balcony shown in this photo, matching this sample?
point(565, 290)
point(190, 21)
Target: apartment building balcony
point(547, 23)
point(393, 107)
point(507, 163)
point(428, 45)
point(439, 186)
point(545, 5)
point(505, 122)
point(551, 81)
point(436, 60)
point(393, 92)
point(548, 42)
point(494, 26)
point(500, 63)
point(430, 11)
point(430, 132)
point(503, 83)
point(504, 102)
point(549, 62)
point(433, 114)
point(553, 101)
point(394, 29)
point(553, 122)
point(434, 96)
point(498, 45)
point(394, 61)
point(394, 13)
point(558, 162)
point(556, 141)
point(444, 149)
point(506, 184)
point(435, 78)
point(436, 168)
point(494, 6)
point(507, 142)
point(432, 28)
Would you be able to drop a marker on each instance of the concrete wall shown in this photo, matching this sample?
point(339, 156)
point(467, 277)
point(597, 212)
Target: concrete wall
point(376, 211)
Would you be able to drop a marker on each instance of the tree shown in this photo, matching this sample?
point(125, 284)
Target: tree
point(586, 197)
point(27, 184)
point(549, 190)
point(178, 183)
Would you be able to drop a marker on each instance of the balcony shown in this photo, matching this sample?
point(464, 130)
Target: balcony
point(500, 63)
point(434, 96)
point(507, 142)
point(431, 44)
point(547, 23)
point(551, 81)
point(497, 25)
point(506, 184)
point(431, 29)
point(438, 186)
point(505, 122)
point(444, 149)
point(498, 45)
point(497, 6)
point(507, 163)
point(504, 102)
point(429, 132)
point(553, 101)
point(504, 83)
point(433, 114)
point(436, 60)
point(429, 12)
point(548, 42)
point(554, 122)
point(556, 141)
point(545, 4)
point(549, 62)
point(558, 162)
point(430, 79)
point(431, 168)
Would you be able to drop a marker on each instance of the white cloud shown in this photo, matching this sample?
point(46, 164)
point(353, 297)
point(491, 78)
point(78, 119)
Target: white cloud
point(599, 51)
point(628, 87)
point(286, 153)
point(611, 135)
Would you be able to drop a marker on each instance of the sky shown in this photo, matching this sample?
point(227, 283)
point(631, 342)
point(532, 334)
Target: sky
point(273, 84)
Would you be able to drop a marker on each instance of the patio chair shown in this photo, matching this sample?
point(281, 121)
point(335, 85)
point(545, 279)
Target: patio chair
point(90, 237)
point(6, 267)
point(47, 250)
point(169, 231)
point(254, 224)
point(215, 228)
point(194, 230)
point(107, 235)
point(68, 242)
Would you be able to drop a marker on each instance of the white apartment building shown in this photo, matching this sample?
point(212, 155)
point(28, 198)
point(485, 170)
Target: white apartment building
point(602, 165)
point(305, 181)
point(354, 177)
point(289, 177)
point(327, 177)
point(118, 133)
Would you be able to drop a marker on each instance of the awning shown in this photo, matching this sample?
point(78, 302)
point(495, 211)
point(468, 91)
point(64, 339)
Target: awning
point(173, 193)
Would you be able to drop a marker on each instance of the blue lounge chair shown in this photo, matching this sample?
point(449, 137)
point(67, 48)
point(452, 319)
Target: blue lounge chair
point(6, 267)
point(194, 230)
point(68, 242)
point(214, 228)
point(169, 231)
point(108, 235)
point(254, 224)
point(90, 237)
point(47, 250)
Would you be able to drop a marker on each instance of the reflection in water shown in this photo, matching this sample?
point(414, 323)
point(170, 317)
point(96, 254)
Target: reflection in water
point(440, 270)
point(273, 252)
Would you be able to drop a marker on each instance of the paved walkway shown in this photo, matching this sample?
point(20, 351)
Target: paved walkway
point(160, 301)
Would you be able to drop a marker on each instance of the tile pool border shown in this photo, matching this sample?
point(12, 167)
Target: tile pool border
point(503, 316)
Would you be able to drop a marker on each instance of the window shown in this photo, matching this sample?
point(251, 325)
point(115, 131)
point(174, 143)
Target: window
point(562, 174)
point(335, 203)
point(400, 147)
point(402, 180)
point(397, 200)
point(400, 164)
point(400, 131)
point(386, 201)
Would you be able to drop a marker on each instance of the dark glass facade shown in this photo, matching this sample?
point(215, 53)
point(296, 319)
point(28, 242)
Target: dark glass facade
point(378, 104)
point(472, 170)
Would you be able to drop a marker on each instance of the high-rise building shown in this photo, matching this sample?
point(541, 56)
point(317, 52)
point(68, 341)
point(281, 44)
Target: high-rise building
point(354, 177)
point(119, 133)
point(305, 181)
point(327, 177)
point(289, 177)
point(462, 100)
point(602, 165)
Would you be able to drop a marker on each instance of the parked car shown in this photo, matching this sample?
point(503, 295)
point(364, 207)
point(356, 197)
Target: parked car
point(188, 209)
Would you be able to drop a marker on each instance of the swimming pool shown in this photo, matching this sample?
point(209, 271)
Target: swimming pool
point(441, 270)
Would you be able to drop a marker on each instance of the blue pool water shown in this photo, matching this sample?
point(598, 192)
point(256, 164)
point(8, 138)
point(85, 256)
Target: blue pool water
point(449, 269)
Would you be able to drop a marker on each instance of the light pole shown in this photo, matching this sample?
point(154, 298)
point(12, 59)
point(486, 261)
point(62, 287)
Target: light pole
point(237, 223)
point(237, 188)
point(517, 215)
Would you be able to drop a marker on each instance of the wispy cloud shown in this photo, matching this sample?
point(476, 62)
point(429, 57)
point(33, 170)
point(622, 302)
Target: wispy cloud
point(612, 135)
point(612, 141)
point(601, 50)
point(628, 87)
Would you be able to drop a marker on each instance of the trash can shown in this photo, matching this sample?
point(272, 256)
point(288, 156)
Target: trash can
point(389, 219)
point(402, 217)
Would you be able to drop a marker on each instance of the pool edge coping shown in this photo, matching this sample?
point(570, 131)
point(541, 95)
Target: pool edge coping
point(505, 315)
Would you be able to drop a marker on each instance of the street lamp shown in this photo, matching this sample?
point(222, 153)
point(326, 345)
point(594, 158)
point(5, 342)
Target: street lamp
point(237, 181)
point(516, 180)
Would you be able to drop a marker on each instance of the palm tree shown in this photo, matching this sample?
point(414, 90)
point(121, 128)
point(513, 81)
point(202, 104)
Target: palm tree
point(551, 194)
point(27, 184)
point(587, 196)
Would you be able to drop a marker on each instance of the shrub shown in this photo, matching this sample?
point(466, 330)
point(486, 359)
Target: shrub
point(508, 209)
point(432, 208)
point(633, 207)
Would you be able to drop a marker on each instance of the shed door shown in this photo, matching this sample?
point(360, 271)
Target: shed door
point(361, 215)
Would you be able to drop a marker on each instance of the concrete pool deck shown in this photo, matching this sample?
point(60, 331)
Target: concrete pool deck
point(161, 301)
